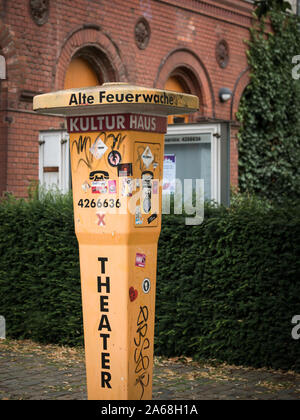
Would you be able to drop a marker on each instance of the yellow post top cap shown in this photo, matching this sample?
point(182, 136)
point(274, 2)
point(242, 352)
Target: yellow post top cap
point(111, 98)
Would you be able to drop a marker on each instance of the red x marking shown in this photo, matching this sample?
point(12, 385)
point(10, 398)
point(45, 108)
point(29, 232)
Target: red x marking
point(101, 219)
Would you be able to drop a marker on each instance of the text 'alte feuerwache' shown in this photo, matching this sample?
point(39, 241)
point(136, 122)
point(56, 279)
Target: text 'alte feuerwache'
point(81, 98)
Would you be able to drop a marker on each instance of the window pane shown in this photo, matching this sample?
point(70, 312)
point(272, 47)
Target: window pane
point(80, 74)
point(193, 161)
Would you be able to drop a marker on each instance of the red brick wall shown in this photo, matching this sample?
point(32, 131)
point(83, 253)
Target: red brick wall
point(183, 32)
point(3, 140)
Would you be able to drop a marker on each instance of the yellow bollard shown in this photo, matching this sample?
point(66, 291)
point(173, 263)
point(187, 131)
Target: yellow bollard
point(117, 146)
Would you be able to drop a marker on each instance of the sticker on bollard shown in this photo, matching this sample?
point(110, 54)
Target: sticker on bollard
point(146, 285)
point(140, 260)
point(116, 148)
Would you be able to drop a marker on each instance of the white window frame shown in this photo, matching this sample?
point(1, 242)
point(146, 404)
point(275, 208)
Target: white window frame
point(215, 134)
point(63, 161)
point(2, 68)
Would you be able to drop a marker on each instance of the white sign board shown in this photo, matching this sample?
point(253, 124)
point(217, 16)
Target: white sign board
point(188, 138)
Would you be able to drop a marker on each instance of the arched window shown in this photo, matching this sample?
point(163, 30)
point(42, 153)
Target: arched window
point(174, 83)
point(90, 66)
point(54, 166)
point(184, 80)
point(80, 74)
point(195, 151)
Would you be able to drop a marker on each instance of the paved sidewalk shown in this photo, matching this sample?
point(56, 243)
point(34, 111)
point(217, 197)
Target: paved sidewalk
point(29, 371)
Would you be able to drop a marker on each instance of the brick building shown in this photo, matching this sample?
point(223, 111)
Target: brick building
point(195, 46)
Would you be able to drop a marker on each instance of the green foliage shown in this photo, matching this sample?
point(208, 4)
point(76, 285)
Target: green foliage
point(263, 7)
point(226, 289)
point(269, 153)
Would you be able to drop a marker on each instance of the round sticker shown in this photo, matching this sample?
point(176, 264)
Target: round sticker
point(146, 285)
point(114, 158)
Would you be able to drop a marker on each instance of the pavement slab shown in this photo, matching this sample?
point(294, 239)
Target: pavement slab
point(32, 371)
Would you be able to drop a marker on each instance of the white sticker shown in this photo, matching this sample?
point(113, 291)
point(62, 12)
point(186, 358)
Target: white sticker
point(127, 187)
point(98, 149)
point(138, 216)
point(146, 285)
point(147, 157)
point(85, 186)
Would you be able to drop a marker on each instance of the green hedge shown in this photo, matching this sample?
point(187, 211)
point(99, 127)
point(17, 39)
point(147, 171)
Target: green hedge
point(226, 289)
point(229, 288)
point(39, 270)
